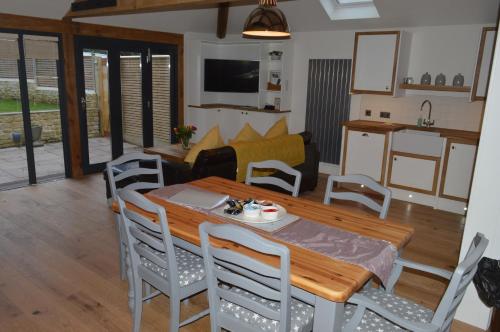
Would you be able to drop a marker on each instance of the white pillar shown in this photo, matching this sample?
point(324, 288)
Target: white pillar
point(484, 205)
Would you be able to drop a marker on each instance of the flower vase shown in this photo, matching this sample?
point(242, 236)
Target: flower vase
point(185, 143)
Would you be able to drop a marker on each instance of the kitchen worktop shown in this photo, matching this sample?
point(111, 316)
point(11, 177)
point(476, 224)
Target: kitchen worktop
point(383, 127)
point(238, 108)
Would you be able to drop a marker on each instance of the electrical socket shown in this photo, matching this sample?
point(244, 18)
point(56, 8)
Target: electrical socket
point(385, 115)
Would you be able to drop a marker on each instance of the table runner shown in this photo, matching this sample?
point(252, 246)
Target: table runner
point(377, 256)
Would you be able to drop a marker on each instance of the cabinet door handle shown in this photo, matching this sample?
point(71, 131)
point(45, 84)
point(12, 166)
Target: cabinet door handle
point(365, 135)
point(395, 159)
point(453, 147)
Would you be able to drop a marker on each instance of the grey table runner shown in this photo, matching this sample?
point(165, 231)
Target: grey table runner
point(377, 256)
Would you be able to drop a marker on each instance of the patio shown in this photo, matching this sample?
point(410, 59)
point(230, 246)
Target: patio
point(49, 159)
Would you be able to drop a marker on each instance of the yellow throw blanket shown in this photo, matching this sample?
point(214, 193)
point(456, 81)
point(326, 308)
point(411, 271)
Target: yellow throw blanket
point(287, 148)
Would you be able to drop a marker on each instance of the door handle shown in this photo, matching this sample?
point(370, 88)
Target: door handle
point(83, 102)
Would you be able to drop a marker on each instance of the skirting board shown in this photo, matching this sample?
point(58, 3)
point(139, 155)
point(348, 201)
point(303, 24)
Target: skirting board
point(438, 203)
point(329, 169)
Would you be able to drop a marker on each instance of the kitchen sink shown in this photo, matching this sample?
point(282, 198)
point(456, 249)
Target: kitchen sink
point(421, 142)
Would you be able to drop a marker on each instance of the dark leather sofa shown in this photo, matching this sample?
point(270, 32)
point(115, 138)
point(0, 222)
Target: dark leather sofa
point(222, 162)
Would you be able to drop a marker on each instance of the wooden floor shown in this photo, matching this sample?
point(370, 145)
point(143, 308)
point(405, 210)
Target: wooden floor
point(59, 260)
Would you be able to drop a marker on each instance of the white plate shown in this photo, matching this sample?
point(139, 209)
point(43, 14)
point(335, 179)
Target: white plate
point(258, 220)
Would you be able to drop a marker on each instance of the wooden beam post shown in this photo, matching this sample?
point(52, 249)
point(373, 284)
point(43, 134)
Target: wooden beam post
point(72, 108)
point(222, 17)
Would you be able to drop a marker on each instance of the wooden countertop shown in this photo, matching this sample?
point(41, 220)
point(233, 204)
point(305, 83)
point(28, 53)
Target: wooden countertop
point(383, 127)
point(239, 108)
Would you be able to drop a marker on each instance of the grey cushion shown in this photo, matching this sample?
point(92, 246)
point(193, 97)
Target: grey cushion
point(189, 265)
point(402, 307)
point(301, 313)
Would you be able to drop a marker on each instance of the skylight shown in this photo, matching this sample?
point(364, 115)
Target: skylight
point(350, 9)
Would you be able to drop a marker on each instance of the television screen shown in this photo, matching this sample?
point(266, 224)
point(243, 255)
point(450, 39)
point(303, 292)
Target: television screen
point(231, 75)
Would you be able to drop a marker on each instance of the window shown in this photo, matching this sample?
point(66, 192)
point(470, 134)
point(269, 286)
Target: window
point(350, 9)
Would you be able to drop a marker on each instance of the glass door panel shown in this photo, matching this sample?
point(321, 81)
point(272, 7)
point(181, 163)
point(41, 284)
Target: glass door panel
point(131, 101)
point(162, 128)
point(42, 61)
point(13, 160)
point(95, 105)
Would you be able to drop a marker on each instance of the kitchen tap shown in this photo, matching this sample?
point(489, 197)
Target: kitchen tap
point(427, 122)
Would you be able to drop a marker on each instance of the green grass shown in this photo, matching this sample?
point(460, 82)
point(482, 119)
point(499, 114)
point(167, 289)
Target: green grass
point(12, 105)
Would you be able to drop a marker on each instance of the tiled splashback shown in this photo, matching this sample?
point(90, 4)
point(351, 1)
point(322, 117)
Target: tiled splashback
point(448, 112)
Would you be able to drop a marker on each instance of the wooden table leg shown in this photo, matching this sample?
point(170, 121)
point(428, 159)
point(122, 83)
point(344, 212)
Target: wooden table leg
point(328, 315)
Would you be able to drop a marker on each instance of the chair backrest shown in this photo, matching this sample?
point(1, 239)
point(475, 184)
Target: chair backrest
point(361, 180)
point(277, 165)
point(462, 277)
point(136, 171)
point(145, 236)
point(246, 273)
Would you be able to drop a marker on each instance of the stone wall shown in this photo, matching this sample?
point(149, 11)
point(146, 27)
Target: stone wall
point(50, 122)
point(9, 89)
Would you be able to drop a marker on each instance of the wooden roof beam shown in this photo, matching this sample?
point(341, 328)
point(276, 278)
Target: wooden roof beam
point(145, 6)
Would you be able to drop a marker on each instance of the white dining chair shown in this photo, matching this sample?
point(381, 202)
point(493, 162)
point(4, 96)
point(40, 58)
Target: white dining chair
point(272, 180)
point(155, 260)
point(246, 294)
point(375, 309)
point(361, 180)
point(122, 180)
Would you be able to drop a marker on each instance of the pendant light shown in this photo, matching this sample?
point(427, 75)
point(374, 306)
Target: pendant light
point(266, 22)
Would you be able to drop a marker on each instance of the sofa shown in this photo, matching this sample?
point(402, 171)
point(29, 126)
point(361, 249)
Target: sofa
point(221, 162)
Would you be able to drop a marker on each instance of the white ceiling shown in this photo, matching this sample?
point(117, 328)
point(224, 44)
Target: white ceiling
point(303, 15)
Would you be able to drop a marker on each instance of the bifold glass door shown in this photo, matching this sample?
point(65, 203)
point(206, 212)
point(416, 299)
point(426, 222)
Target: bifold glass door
point(32, 135)
point(128, 97)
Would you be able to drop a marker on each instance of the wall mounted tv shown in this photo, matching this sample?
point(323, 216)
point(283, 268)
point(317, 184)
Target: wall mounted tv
point(231, 75)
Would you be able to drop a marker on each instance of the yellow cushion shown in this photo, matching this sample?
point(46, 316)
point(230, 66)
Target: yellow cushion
point(211, 140)
point(280, 128)
point(246, 134)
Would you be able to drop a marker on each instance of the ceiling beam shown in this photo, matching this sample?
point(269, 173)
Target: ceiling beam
point(145, 6)
point(222, 17)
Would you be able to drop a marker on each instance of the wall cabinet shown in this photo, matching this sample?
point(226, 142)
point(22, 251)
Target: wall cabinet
point(230, 121)
point(457, 170)
point(413, 172)
point(364, 154)
point(483, 65)
point(375, 62)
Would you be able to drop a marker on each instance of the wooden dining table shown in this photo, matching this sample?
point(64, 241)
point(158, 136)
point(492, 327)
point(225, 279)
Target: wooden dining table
point(319, 280)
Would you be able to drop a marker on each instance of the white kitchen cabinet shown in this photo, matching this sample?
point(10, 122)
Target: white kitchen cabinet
point(203, 119)
point(413, 173)
point(483, 65)
point(375, 62)
point(457, 172)
point(365, 154)
point(230, 121)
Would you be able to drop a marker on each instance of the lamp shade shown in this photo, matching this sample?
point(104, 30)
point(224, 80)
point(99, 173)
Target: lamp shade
point(266, 22)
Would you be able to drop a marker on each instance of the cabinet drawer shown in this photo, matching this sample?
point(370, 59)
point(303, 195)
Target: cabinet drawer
point(365, 153)
point(414, 173)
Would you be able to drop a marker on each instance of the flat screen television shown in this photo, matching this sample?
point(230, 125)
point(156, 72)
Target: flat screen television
point(231, 75)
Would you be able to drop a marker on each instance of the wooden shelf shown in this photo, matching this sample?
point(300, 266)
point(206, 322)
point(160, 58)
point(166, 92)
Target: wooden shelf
point(448, 88)
point(239, 108)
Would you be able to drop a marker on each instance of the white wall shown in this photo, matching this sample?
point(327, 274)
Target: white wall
point(484, 208)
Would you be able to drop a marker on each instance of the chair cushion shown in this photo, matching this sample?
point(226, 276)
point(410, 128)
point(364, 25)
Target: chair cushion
point(399, 306)
point(301, 313)
point(190, 266)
